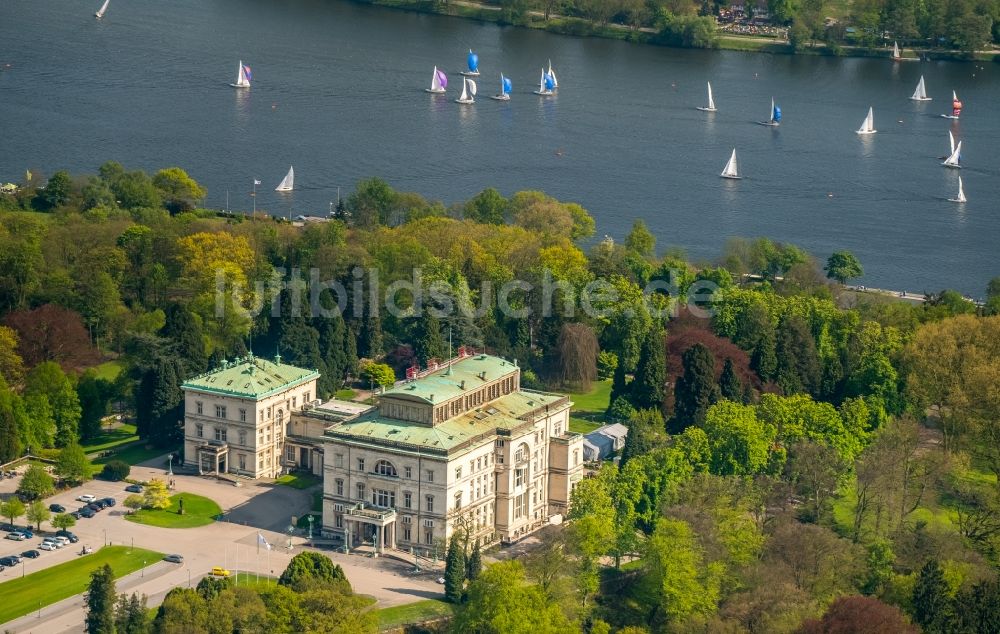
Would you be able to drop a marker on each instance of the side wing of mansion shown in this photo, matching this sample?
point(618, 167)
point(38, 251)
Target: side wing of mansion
point(458, 446)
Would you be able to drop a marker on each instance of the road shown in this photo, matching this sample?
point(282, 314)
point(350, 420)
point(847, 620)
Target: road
point(254, 509)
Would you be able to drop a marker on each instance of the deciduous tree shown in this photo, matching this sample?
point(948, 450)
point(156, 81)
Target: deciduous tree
point(156, 496)
point(37, 513)
point(49, 381)
point(35, 483)
point(842, 266)
point(859, 615)
point(72, 464)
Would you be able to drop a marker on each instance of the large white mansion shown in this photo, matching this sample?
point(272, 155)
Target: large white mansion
point(458, 446)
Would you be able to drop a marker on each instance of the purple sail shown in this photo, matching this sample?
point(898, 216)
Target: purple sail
point(443, 79)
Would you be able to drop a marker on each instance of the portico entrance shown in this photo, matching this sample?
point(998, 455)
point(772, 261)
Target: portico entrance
point(367, 523)
point(212, 458)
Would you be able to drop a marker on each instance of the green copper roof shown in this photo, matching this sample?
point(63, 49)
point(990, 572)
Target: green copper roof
point(446, 383)
point(504, 413)
point(250, 377)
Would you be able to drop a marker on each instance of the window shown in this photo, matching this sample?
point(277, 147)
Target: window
point(338, 460)
point(199, 431)
point(385, 468)
point(220, 411)
point(519, 477)
point(521, 453)
point(558, 429)
point(520, 504)
point(243, 462)
point(340, 487)
point(361, 491)
point(576, 457)
point(305, 398)
point(243, 415)
point(290, 453)
point(430, 475)
point(243, 437)
point(458, 500)
point(408, 472)
point(361, 464)
point(382, 498)
point(295, 402)
point(338, 521)
point(407, 499)
point(261, 465)
point(406, 533)
point(198, 407)
point(430, 503)
point(220, 434)
point(428, 537)
point(479, 463)
point(458, 473)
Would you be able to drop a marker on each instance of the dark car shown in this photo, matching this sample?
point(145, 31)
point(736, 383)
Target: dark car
point(31, 554)
point(134, 488)
point(174, 559)
point(68, 535)
point(27, 532)
point(96, 507)
point(8, 561)
point(108, 502)
point(17, 558)
point(8, 528)
point(57, 508)
point(87, 512)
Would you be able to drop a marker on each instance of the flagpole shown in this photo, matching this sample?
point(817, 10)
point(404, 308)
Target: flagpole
point(254, 195)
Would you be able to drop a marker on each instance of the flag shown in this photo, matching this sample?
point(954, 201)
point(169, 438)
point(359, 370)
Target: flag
point(27, 175)
point(256, 182)
point(246, 71)
point(263, 542)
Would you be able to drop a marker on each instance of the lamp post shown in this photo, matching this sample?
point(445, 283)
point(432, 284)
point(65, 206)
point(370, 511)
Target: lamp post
point(189, 577)
point(311, 518)
point(290, 530)
point(105, 536)
point(170, 465)
point(143, 573)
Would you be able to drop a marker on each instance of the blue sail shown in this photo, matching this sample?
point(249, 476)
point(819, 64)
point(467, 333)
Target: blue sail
point(506, 85)
point(550, 83)
point(776, 115)
point(473, 62)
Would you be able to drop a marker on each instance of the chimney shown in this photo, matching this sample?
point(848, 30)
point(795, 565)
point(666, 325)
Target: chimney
point(462, 384)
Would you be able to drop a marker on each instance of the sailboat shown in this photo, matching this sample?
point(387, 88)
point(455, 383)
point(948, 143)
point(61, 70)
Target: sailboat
point(920, 94)
point(956, 107)
point(731, 170)
point(552, 73)
point(868, 125)
point(473, 62)
point(545, 84)
point(955, 158)
point(711, 102)
point(961, 193)
point(100, 12)
point(439, 81)
point(288, 182)
point(243, 76)
point(468, 92)
point(895, 52)
point(505, 87)
point(775, 119)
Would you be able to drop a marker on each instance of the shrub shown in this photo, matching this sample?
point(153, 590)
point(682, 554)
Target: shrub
point(116, 470)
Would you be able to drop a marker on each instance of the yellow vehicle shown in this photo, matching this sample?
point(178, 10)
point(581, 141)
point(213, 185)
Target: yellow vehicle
point(219, 571)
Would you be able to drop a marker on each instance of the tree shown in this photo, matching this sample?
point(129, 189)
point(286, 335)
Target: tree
point(501, 600)
point(134, 502)
point(135, 190)
point(696, 389)
point(72, 464)
point(932, 603)
point(649, 385)
point(101, 601)
point(94, 394)
point(48, 380)
point(11, 364)
point(739, 443)
point(576, 356)
point(131, 615)
point(116, 470)
point(814, 470)
point(64, 521)
point(36, 483)
point(798, 363)
point(644, 429)
point(56, 192)
point(378, 375)
point(51, 333)
point(10, 441)
point(182, 611)
point(819, 562)
point(487, 207)
point(455, 570)
point(179, 191)
point(372, 203)
point(12, 509)
point(159, 402)
point(859, 615)
point(977, 609)
point(156, 496)
point(675, 572)
point(641, 240)
point(37, 513)
point(427, 340)
point(309, 569)
point(184, 329)
point(842, 266)
point(475, 564)
point(730, 386)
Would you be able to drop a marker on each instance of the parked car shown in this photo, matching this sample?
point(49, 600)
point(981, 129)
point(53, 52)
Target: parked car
point(68, 535)
point(174, 559)
point(27, 532)
point(18, 537)
point(7, 562)
point(219, 571)
point(31, 554)
point(109, 502)
point(57, 508)
point(48, 546)
point(86, 512)
point(87, 498)
point(8, 527)
point(96, 507)
point(134, 488)
point(62, 541)
point(17, 558)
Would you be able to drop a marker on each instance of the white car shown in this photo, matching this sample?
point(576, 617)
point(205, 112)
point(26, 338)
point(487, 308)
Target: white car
point(48, 546)
point(88, 498)
point(60, 541)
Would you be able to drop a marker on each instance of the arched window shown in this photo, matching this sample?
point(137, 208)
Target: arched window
point(384, 467)
point(281, 415)
point(522, 453)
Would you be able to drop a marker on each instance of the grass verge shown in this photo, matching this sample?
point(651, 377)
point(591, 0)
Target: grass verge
point(198, 511)
point(136, 453)
point(346, 394)
point(417, 612)
point(110, 439)
point(109, 370)
point(589, 407)
point(45, 587)
point(299, 480)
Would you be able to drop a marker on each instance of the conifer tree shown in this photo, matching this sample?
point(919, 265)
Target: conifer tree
point(730, 386)
point(619, 385)
point(696, 389)
point(159, 402)
point(932, 606)
point(798, 367)
point(427, 340)
point(454, 570)
point(649, 386)
point(184, 330)
point(101, 601)
point(475, 564)
point(131, 615)
point(371, 339)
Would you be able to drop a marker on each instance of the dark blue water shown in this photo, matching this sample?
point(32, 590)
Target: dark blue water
point(338, 93)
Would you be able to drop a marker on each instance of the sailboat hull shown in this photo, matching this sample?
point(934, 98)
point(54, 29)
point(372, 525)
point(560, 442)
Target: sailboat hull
point(543, 93)
point(732, 178)
point(954, 167)
point(465, 102)
point(470, 73)
point(957, 200)
point(948, 116)
point(920, 99)
point(500, 97)
point(704, 109)
point(240, 85)
point(866, 131)
point(770, 124)
point(439, 91)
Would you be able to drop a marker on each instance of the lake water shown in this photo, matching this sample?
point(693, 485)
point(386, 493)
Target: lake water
point(338, 93)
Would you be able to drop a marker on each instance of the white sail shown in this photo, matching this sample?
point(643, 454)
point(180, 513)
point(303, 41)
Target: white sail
point(868, 125)
point(920, 94)
point(732, 168)
point(951, 143)
point(770, 115)
point(288, 182)
point(541, 83)
point(472, 87)
point(711, 102)
point(104, 7)
point(241, 76)
point(895, 51)
point(956, 155)
point(961, 192)
point(436, 81)
point(465, 97)
point(555, 82)
point(954, 97)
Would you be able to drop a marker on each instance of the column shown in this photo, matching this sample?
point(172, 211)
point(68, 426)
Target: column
point(216, 463)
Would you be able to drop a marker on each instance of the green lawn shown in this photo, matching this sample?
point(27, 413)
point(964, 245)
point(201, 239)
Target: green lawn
point(110, 439)
point(45, 587)
point(134, 454)
point(109, 370)
point(582, 425)
point(248, 580)
point(299, 480)
point(198, 511)
point(346, 394)
point(589, 407)
point(413, 613)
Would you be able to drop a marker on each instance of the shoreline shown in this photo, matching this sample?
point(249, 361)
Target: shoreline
point(578, 27)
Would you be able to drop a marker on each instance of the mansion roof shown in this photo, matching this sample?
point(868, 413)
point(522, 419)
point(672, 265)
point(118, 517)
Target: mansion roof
point(250, 377)
point(453, 379)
